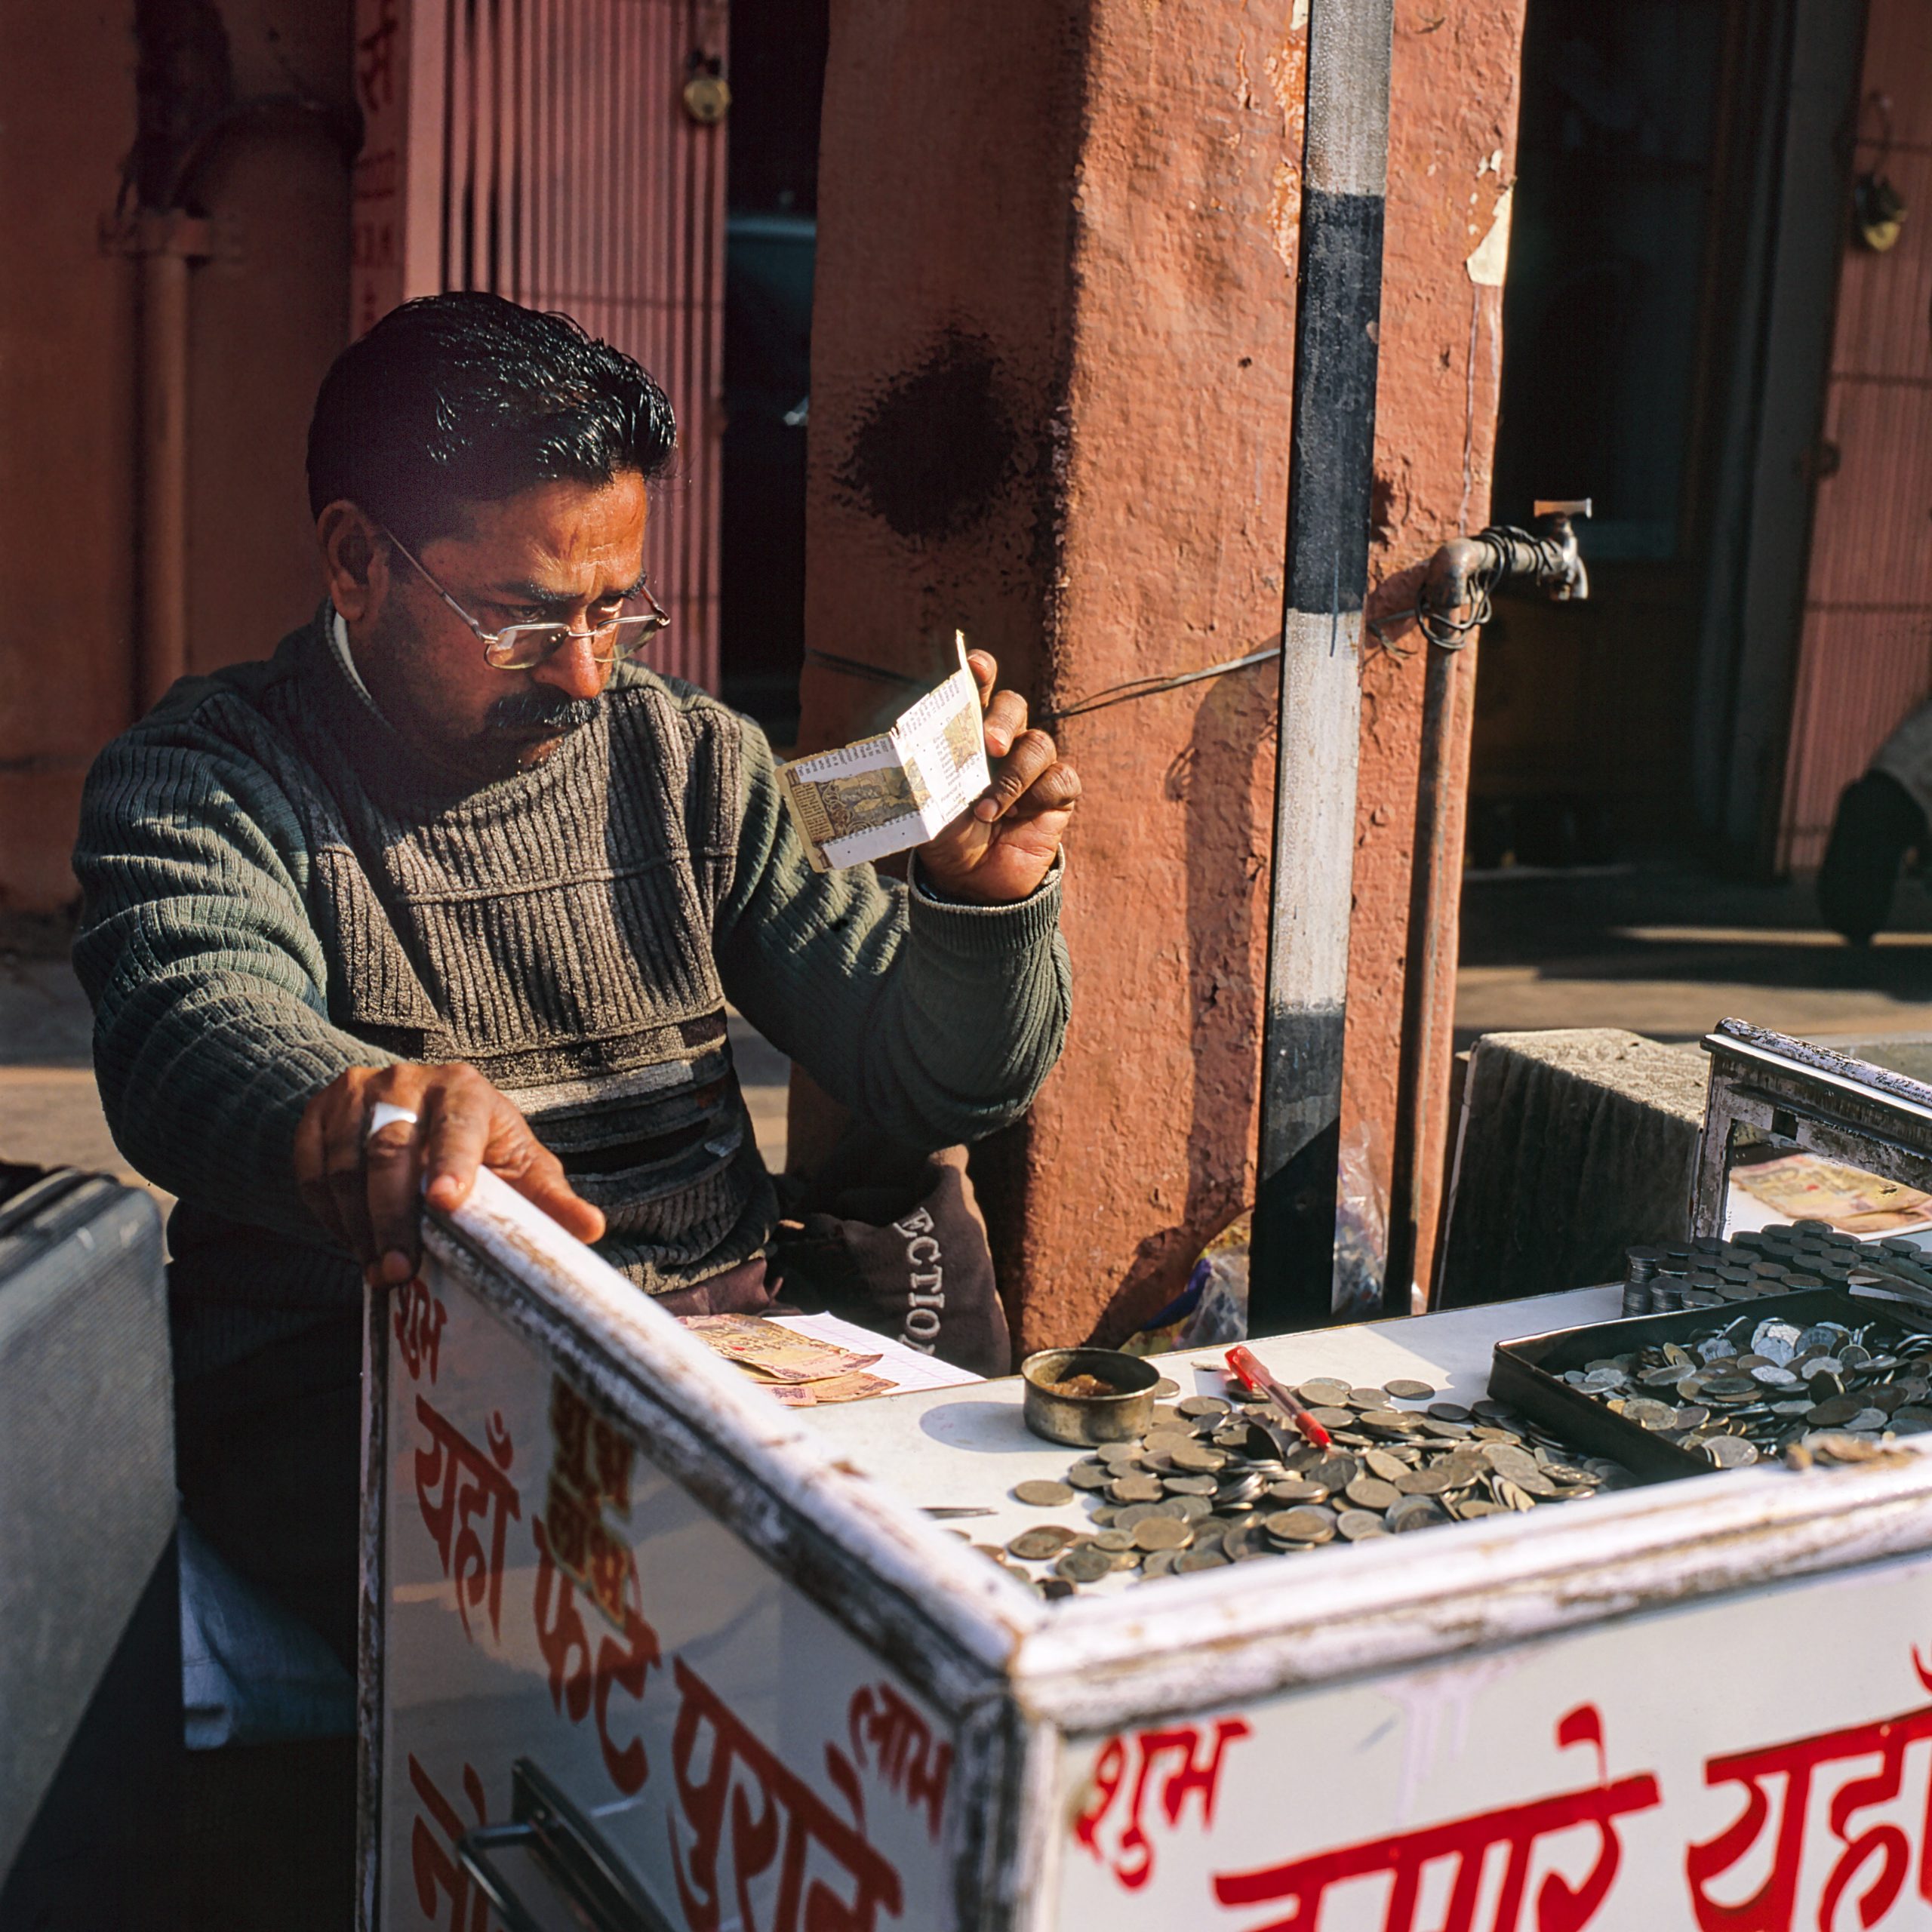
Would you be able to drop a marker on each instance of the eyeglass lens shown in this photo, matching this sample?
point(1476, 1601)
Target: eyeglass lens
point(520, 647)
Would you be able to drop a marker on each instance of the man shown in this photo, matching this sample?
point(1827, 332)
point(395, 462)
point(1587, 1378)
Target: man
point(450, 881)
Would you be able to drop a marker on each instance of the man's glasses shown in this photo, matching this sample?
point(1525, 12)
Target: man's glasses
point(523, 647)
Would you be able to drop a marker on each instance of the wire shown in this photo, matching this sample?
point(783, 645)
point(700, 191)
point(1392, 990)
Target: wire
point(1150, 687)
point(1446, 633)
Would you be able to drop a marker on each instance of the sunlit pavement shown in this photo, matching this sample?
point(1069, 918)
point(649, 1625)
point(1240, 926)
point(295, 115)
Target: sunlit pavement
point(50, 1114)
point(1667, 952)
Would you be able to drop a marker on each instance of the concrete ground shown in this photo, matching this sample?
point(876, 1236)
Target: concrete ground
point(49, 1113)
point(1667, 951)
point(1660, 950)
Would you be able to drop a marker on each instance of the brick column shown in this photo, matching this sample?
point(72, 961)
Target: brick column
point(1052, 362)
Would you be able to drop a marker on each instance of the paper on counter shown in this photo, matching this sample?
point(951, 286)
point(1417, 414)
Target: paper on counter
point(899, 1363)
point(775, 1354)
point(808, 1360)
point(885, 794)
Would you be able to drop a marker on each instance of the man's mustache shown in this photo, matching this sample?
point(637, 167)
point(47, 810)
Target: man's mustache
point(540, 709)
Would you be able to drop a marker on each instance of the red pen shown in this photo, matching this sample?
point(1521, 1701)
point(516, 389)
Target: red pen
point(1241, 1360)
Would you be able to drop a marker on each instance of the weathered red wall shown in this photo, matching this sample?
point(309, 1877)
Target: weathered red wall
point(266, 315)
point(1865, 653)
point(1052, 371)
point(66, 428)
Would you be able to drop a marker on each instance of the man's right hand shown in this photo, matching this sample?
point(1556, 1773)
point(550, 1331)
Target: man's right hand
point(365, 1189)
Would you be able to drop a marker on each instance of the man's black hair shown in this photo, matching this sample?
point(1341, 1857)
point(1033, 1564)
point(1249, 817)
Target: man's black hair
point(468, 398)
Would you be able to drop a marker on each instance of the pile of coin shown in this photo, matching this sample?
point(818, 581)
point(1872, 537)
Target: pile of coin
point(1208, 1485)
point(1708, 1272)
point(1751, 1388)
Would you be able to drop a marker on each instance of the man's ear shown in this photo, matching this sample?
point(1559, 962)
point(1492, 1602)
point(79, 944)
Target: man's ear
point(354, 561)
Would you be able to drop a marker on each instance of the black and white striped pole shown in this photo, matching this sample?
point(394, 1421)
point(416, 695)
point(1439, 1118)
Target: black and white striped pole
point(1345, 167)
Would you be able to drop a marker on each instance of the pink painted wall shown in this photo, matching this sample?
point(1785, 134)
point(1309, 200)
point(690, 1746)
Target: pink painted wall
point(1052, 372)
point(1864, 653)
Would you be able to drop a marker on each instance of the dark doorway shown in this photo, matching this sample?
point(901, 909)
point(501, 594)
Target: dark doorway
point(1622, 281)
point(777, 80)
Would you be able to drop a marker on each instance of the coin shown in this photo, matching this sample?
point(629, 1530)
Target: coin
point(1165, 1387)
point(1137, 1488)
point(1161, 1532)
point(1042, 1495)
point(1357, 1525)
point(1089, 1474)
point(1510, 1460)
point(1448, 1412)
point(1202, 1405)
point(1191, 1560)
point(1409, 1392)
point(1368, 1492)
point(1367, 1398)
point(1648, 1414)
point(1035, 1546)
point(1388, 1421)
point(1158, 1563)
point(1729, 1452)
point(1295, 1489)
point(1197, 1458)
point(1323, 1390)
point(1333, 1418)
point(1084, 1564)
point(1414, 1512)
point(1113, 1541)
point(1306, 1524)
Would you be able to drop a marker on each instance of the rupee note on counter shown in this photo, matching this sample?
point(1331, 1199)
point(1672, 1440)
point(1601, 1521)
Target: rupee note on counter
point(887, 794)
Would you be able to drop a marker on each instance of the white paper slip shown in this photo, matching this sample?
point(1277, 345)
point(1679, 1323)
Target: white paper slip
point(888, 794)
point(899, 1363)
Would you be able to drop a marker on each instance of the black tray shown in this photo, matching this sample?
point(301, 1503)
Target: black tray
point(1525, 1373)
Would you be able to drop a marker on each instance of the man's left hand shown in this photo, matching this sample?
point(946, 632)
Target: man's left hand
point(999, 849)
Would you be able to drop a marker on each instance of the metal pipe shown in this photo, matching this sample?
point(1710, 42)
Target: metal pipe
point(1460, 576)
point(1345, 163)
point(1430, 956)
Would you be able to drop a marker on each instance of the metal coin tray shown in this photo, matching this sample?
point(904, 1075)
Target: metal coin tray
point(1527, 1373)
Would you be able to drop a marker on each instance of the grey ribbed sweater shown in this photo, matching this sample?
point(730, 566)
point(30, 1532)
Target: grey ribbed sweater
point(272, 893)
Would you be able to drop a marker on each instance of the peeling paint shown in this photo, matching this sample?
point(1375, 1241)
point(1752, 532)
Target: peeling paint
point(1489, 261)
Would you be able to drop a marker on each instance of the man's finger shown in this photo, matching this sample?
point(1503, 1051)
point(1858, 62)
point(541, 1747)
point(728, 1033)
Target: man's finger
point(392, 1159)
point(1057, 789)
point(346, 1177)
point(462, 1118)
point(311, 1168)
point(529, 1167)
point(1033, 753)
point(1006, 719)
point(985, 667)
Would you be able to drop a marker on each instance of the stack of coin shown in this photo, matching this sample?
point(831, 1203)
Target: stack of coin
point(1708, 1272)
point(1740, 1391)
point(1207, 1486)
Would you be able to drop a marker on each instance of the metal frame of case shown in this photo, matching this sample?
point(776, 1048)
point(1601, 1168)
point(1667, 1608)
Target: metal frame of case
point(1824, 1102)
point(1021, 1680)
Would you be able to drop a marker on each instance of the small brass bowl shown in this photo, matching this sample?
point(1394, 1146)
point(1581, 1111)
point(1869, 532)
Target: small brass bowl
point(1085, 1420)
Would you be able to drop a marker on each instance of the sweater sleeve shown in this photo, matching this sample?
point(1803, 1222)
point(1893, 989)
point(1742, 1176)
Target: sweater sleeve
point(211, 1032)
point(935, 1020)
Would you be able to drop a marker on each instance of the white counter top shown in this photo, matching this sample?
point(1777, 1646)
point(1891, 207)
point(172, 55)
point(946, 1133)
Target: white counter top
point(967, 1446)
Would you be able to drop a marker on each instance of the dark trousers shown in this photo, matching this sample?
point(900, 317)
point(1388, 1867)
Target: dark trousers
point(268, 1453)
point(269, 1458)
